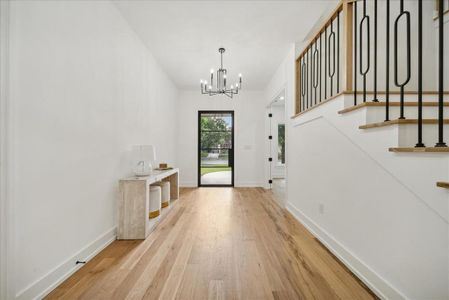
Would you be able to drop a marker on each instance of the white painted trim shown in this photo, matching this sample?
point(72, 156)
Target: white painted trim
point(191, 184)
point(188, 184)
point(373, 280)
point(6, 261)
point(248, 184)
point(44, 285)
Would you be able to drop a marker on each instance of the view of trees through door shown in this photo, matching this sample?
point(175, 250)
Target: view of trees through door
point(216, 148)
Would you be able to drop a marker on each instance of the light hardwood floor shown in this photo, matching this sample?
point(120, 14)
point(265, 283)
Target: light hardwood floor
point(217, 243)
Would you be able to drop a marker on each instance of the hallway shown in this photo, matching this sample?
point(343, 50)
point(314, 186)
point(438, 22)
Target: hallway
point(217, 243)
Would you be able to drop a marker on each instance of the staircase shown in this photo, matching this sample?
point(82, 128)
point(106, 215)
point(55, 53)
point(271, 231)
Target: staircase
point(345, 58)
point(368, 154)
point(404, 132)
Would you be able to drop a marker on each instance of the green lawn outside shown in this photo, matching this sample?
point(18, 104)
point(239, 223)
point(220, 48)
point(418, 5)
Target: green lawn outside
point(214, 168)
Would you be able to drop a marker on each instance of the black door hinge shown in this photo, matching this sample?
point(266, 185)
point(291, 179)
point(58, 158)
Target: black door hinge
point(270, 181)
point(270, 159)
point(270, 115)
point(270, 137)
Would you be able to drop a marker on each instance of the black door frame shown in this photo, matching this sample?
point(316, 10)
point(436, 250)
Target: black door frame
point(231, 151)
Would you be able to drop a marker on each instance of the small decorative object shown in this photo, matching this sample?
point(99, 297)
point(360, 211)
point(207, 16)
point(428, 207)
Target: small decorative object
point(164, 167)
point(221, 86)
point(144, 157)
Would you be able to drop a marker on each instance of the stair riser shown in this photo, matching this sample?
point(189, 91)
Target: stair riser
point(408, 135)
point(377, 114)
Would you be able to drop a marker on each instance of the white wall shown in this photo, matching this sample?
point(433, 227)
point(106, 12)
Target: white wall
point(84, 89)
point(5, 213)
point(249, 113)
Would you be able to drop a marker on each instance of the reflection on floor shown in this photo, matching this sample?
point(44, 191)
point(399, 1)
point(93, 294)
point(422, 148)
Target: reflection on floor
point(224, 177)
point(278, 189)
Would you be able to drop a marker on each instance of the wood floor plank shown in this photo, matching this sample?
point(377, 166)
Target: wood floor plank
point(218, 243)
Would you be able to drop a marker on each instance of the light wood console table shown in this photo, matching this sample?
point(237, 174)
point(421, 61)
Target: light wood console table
point(133, 204)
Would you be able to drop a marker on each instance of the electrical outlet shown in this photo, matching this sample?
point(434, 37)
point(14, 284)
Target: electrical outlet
point(321, 208)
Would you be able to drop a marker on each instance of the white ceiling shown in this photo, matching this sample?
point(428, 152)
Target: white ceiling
point(184, 36)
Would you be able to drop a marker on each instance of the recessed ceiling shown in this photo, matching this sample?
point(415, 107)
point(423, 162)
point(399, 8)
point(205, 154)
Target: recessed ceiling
point(184, 36)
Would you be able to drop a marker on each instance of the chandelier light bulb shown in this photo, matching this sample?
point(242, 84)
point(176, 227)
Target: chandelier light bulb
point(210, 87)
point(205, 82)
point(240, 75)
point(232, 87)
point(201, 81)
point(224, 76)
point(211, 71)
point(236, 85)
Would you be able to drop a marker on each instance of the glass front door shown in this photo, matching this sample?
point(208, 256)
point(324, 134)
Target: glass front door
point(215, 148)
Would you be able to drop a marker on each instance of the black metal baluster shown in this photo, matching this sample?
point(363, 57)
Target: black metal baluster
point(303, 83)
point(355, 53)
point(420, 143)
point(331, 73)
point(320, 67)
point(306, 55)
point(325, 63)
point(312, 75)
point(407, 79)
point(311, 79)
point(440, 142)
point(387, 58)
point(315, 68)
point(375, 52)
point(338, 52)
point(364, 72)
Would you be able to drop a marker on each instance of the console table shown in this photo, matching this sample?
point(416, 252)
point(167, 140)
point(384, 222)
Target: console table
point(133, 204)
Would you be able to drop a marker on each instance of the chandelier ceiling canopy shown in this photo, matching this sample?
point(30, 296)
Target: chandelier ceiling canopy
point(221, 86)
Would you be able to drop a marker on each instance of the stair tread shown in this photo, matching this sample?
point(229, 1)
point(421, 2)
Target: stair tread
point(382, 104)
point(420, 149)
point(443, 184)
point(401, 122)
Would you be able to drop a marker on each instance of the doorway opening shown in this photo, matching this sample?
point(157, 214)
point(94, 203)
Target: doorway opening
point(277, 147)
point(216, 148)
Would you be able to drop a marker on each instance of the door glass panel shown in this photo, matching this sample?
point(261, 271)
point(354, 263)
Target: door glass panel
point(216, 149)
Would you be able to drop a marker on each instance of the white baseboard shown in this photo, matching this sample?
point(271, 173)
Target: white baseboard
point(236, 184)
point(373, 280)
point(248, 184)
point(44, 285)
point(188, 184)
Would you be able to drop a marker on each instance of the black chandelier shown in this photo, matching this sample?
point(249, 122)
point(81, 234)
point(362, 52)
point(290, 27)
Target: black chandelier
point(221, 86)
